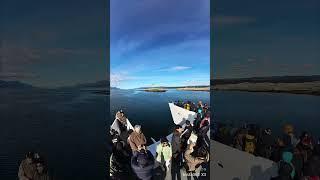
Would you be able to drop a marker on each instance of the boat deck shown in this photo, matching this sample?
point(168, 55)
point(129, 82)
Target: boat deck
point(227, 163)
point(183, 173)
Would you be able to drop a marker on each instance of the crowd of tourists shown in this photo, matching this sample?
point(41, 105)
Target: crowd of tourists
point(33, 167)
point(187, 150)
point(298, 158)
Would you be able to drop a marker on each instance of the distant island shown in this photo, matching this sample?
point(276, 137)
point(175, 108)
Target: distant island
point(179, 88)
point(277, 84)
point(154, 90)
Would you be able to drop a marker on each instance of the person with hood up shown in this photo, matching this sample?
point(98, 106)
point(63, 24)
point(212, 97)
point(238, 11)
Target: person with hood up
point(27, 167)
point(164, 152)
point(142, 164)
point(137, 139)
point(287, 159)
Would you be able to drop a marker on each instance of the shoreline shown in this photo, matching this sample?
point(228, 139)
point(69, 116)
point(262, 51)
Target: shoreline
point(206, 89)
point(154, 90)
point(275, 92)
point(307, 88)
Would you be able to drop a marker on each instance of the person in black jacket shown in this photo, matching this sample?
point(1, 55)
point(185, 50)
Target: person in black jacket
point(284, 172)
point(119, 166)
point(142, 164)
point(202, 134)
point(186, 134)
point(176, 145)
point(266, 143)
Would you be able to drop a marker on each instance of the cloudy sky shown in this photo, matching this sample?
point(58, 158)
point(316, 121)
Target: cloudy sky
point(156, 42)
point(265, 38)
point(159, 43)
point(53, 43)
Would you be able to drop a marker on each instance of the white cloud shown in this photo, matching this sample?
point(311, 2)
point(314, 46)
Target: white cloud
point(179, 68)
point(117, 78)
point(176, 68)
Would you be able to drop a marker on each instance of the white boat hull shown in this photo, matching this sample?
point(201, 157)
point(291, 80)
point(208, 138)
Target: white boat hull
point(180, 115)
point(115, 126)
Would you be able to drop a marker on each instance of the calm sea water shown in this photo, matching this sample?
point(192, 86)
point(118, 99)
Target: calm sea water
point(151, 109)
point(268, 110)
point(67, 127)
point(70, 127)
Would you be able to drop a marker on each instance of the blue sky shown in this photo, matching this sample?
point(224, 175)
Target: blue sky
point(265, 38)
point(159, 43)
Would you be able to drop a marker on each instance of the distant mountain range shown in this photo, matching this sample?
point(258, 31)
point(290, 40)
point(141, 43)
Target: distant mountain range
point(173, 87)
point(18, 84)
point(14, 84)
point(98, 84)
point(272, 79)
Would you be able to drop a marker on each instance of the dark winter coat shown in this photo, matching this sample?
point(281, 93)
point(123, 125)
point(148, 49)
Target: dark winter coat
point(143, 172)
